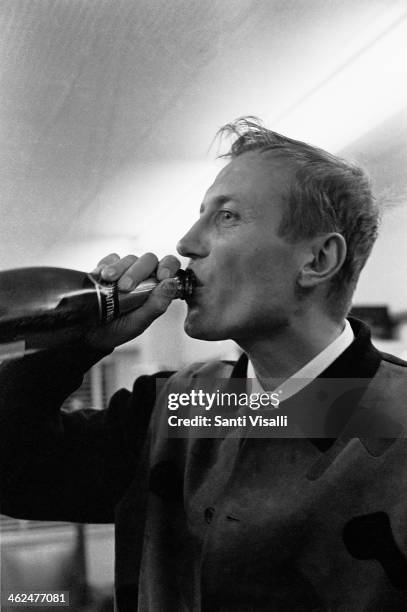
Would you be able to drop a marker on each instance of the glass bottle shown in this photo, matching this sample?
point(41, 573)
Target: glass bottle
point(44, 307)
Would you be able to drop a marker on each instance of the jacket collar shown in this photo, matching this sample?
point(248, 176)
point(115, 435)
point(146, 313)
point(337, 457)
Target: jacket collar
point(360, 360)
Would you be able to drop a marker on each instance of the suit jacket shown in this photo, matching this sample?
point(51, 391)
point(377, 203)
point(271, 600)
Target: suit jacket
point(231, 523)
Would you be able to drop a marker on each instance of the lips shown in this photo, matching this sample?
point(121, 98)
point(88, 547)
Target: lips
point(197, 284)
point(196, 280)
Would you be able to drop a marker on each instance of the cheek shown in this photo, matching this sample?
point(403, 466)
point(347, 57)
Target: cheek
point(227, 266)
point(270, 276)
point(249, 271)
point(264, 267)
point(240, 284)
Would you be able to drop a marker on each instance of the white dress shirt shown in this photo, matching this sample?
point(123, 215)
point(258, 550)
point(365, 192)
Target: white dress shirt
point(310, 370)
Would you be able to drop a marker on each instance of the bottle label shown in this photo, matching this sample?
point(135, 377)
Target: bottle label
point(108, 300)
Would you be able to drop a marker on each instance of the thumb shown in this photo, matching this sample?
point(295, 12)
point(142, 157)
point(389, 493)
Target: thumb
point(155, 305)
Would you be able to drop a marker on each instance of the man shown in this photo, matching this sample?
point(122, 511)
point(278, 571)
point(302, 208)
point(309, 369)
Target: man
point(234, 522)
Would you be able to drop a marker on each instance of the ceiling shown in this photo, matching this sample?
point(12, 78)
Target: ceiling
point(108, 108)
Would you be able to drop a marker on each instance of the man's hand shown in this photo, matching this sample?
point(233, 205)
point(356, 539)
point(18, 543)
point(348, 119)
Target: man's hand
point(129, 272)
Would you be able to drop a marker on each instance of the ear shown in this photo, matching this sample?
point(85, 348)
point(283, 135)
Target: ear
point(325, 257)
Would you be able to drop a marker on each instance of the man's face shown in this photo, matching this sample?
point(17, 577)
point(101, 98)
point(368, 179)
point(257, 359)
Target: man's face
point(246, 273)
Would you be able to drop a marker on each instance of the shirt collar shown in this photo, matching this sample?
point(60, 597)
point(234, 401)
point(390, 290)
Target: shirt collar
point(310, 370)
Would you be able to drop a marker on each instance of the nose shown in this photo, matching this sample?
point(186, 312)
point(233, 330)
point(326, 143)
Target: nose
point(193, 244)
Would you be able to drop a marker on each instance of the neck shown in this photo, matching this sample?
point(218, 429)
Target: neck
point(284, 352)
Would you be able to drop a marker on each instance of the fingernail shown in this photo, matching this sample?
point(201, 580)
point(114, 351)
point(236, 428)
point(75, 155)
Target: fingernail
point(125, 283)
point(109, 272)
point(165, 273)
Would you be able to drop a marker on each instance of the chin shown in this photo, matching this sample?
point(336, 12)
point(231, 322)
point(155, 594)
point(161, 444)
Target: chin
point(200, 330)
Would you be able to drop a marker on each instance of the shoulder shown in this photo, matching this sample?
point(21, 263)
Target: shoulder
point(392, 372)
point(392, 360)
point(387, 391)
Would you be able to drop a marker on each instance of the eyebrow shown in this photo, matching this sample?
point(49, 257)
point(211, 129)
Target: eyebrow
point(219, 201)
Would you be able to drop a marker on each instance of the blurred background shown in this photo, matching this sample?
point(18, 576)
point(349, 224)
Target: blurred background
point(107, 114)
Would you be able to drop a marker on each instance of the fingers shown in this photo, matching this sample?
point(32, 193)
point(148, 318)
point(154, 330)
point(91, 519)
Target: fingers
point(116, 269)
point(129, 271)
point(133, 270)
point(168, 267)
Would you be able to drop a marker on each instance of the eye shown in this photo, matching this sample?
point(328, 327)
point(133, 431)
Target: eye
point(227, 217)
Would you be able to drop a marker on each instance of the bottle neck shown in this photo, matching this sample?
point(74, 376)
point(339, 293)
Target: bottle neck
point(113, 303)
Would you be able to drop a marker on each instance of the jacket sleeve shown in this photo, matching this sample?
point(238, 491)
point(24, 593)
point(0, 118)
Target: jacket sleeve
point(64, 466)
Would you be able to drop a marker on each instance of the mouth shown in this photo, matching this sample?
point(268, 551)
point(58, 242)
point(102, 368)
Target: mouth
point(193, 278)
point(194, 284)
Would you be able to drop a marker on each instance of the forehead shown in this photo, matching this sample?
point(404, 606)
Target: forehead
point(254, 179)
